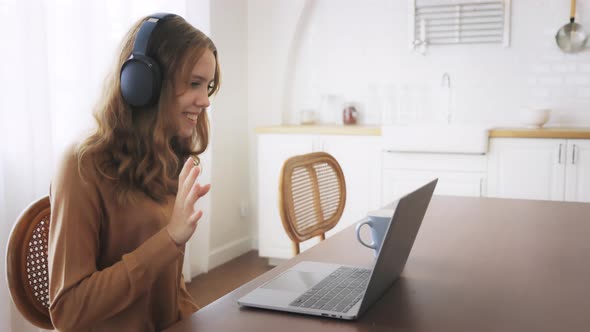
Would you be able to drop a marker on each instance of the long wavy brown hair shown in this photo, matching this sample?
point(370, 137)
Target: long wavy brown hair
point(137, 148)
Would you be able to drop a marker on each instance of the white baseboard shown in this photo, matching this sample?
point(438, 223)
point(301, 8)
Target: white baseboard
point(229, 251)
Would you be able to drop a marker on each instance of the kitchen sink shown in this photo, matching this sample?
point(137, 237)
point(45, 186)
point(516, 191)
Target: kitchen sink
point(455, 138)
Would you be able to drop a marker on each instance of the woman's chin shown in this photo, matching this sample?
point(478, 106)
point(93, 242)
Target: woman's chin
point(185, 134)
point(185, 130)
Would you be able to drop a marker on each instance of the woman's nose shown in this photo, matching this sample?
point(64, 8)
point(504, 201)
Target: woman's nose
point(202, 101)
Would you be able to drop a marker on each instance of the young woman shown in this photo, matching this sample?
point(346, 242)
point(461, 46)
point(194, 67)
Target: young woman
point(122, 201)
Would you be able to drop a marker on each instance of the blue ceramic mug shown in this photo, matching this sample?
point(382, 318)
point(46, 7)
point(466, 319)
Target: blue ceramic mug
point(378, 221)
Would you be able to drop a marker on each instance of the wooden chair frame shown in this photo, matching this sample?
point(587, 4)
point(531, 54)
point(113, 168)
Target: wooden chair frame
point(22, 237)
point(286, 204)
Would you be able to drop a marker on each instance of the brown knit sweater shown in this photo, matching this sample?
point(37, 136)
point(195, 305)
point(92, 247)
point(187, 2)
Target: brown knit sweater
point(112, 267)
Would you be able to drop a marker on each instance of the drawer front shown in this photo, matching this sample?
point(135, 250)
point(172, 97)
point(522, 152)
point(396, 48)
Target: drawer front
point(434, 161)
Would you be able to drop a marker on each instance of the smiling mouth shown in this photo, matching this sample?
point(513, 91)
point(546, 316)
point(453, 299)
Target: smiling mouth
point(191, 116)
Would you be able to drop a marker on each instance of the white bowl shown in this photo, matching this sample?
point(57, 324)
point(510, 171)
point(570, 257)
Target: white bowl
point(534, 117)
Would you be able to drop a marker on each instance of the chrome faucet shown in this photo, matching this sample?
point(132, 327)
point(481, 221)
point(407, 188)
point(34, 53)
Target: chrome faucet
point(446, 80)
point(446, 83)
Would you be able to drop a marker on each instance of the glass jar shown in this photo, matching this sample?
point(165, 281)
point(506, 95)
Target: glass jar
point(350, 114)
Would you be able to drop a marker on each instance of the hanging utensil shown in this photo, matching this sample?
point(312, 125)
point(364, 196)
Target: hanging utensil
point(571, 38)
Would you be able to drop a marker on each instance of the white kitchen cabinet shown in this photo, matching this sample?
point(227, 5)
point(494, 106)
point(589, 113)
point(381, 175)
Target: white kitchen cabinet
point(536, 168)
point(458, 174)
point(577, 172)
point(357, 155)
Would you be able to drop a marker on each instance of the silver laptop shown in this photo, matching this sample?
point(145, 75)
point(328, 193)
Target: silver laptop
point(346, 292)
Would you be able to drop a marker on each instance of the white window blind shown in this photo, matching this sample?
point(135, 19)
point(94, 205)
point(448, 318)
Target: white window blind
point(445, 22)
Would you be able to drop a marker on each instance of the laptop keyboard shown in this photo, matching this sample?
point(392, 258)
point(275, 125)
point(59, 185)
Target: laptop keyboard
point(339, 291)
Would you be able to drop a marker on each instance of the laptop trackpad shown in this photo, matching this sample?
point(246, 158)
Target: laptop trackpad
point(295, 281)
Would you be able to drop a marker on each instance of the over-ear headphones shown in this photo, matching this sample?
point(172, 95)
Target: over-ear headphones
point(141, 77)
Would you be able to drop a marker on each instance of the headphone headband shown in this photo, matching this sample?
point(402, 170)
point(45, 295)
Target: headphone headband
point(145, 31)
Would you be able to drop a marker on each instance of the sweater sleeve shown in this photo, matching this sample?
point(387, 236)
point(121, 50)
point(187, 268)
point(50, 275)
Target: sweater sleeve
point(81, 295)
point(186, 304)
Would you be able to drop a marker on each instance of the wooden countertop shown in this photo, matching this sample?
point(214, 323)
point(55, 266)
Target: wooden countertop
point(321, 129)
point(551, 132)
point(555, 132)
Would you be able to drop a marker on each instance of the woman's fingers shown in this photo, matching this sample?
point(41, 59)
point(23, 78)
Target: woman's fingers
point(197, 191)
point(189, 181)
point(193, 194)
point(185, 216)
point(204, 190)
point(194, 218)
point(186, 168)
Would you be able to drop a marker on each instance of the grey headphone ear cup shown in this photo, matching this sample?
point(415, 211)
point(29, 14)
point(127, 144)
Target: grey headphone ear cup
point(140, 81)
point(140, 76)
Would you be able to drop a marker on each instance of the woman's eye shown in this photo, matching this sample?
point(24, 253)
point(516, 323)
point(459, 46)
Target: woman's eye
point(195, 84)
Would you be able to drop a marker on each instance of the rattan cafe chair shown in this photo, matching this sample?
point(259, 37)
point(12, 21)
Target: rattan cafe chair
point(26, 264)
point(312, 196)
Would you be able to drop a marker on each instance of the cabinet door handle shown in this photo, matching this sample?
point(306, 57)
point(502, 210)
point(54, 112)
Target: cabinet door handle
point(574, 155)
point(481, 187)
point(559, 155)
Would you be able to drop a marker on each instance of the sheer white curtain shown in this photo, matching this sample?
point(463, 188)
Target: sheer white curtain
point(54, 56)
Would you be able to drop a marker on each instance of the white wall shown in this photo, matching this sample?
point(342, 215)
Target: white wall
point(346, 46)
point(489, 83)
point(271, 27)
point(230, 232)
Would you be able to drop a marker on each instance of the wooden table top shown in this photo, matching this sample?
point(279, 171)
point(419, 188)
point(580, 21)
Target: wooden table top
point(478, 264)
